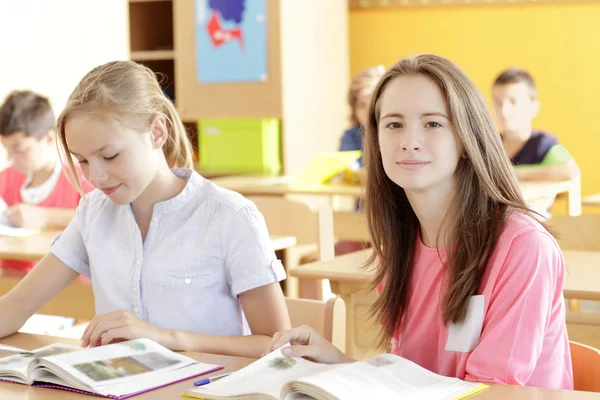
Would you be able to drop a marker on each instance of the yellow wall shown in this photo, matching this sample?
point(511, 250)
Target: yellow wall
point(559, 44)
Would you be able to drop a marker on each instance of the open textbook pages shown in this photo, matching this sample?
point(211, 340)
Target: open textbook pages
point(117, 370)
point(387, 376)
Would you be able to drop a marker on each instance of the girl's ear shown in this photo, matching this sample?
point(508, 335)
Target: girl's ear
point(159, 132)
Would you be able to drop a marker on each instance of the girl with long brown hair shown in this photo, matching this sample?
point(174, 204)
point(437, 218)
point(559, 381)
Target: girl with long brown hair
point(470, 283)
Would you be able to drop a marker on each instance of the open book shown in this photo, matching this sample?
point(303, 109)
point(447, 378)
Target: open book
point(117, 370)
point(386, 376)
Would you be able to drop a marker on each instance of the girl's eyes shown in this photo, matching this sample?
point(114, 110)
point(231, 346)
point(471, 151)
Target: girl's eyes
point(112, 157)
point(106, 158)
point(396, 125)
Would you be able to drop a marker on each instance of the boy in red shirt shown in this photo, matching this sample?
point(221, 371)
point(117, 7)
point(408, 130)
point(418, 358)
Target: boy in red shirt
point(34, 187)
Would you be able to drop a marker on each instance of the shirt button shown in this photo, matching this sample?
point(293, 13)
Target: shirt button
point(136, 310)
point(187, 281)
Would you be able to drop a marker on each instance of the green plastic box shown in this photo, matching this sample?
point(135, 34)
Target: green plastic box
point(239, 145)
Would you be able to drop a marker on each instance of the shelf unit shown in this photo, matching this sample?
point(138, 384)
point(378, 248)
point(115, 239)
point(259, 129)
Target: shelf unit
point(151, 44)
point(307, 71)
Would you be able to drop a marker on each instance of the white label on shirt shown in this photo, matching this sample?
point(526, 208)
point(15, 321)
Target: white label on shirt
point(464, 336)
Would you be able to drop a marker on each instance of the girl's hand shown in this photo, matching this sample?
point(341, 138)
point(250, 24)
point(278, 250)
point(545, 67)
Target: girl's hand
point(26, 216)
point(306, 342)
point(118, 326)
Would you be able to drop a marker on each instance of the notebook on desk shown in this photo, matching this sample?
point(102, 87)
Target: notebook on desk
point(325, 166)
point(116, 371)
point(42, 324)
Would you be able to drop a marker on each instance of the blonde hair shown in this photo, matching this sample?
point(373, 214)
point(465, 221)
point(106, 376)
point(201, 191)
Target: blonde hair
point(127, 94)
point(363, 83)
point(486, 194)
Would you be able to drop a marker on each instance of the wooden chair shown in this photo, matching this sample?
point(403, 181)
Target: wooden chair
point(350, 225)
point(584, 327)
point(328, 318)
point(580, 233)
point(351, 283)
point(577, 233)
point(313, 229)
point(586, 367)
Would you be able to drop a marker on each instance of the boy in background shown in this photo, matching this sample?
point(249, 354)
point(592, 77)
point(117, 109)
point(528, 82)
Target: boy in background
point(536, 154)
point(37, 193)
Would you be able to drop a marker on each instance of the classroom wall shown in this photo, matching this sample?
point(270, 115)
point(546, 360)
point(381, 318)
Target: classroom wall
point(48, 45)
point(558, 43)
point(314, 78)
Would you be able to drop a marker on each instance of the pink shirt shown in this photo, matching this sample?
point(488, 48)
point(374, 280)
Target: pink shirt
point(523, 334)
point(63, 196)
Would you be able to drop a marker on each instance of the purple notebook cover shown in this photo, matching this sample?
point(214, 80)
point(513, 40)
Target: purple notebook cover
point(125, 396)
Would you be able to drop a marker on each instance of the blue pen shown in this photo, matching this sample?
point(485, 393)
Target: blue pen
point(206, 381)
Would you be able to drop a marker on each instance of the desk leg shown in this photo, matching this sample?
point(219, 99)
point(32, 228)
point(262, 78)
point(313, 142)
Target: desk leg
point(574, 198)
point(361, 331)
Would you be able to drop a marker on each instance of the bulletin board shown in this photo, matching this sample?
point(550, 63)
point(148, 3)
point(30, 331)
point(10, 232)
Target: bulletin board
point(197, 100)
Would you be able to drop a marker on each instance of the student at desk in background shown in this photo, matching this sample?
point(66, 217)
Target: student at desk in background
point(470, 285)
point(361, 87)
point(171, 256)
point(34, 187)
point(536, 155)
point(359, 94)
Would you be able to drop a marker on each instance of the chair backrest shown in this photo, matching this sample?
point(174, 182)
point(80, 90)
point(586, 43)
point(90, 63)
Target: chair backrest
point(586, 367)
point(350, 225)
point(577, 233)
point(584, 327)
point(328, 318)
point(292, 218)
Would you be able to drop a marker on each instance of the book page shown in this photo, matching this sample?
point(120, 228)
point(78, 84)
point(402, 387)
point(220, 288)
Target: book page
point(266, 375)
point(387, 376)
point(126, 367)
point(41, 324)
point(23, 363)
point(12, 349)
point(16, 366)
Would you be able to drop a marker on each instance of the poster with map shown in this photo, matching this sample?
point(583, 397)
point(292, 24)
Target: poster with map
point(231, 41)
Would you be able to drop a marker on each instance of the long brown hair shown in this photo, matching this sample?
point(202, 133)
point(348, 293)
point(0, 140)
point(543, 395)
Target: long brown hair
point(128, 94)
point(486, 193)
